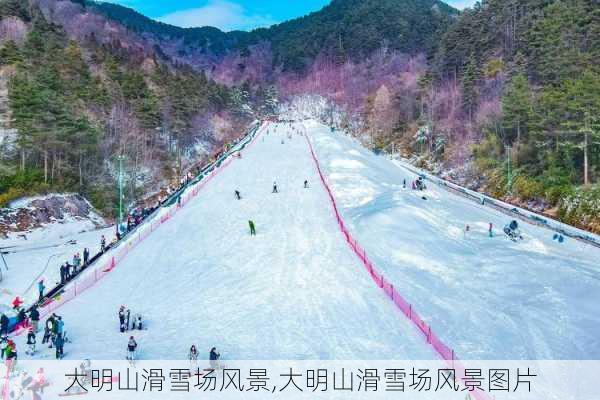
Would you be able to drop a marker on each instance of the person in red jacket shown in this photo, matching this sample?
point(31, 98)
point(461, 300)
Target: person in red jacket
point(17, 303)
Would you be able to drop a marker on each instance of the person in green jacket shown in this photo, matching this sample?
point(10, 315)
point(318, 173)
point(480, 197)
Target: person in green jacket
point(252, 228)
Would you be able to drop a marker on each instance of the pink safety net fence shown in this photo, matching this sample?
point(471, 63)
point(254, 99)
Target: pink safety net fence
point(115, 256)
point(444, 351)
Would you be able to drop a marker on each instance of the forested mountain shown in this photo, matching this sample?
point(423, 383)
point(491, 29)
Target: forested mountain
point(503, 97)
point(79, 102)
point(351, 28)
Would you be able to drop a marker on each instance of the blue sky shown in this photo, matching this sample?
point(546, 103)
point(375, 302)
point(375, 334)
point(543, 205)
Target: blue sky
point(232, 14)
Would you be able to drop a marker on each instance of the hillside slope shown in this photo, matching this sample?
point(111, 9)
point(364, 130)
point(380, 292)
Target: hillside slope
point(349, 28)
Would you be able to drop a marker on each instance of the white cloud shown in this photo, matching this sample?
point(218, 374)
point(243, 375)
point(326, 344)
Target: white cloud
point(222, 14)
point(462, 4)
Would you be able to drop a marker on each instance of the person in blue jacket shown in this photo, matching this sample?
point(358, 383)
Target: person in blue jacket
point(41, 289)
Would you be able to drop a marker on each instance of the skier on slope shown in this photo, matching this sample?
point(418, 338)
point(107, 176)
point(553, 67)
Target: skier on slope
point(102, 244)
point(275, 187)
point(238, 195)
point(86, 256)
point(252, 228)
point(512, 230)
point(131, 348)
point(41, 289)
point(305, 184)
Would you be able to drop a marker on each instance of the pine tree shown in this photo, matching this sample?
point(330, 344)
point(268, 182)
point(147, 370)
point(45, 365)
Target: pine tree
point(469, 86)
point(517, 109)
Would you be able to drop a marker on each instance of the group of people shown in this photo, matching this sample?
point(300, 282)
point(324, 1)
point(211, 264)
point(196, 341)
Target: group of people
point(55, 334)
point(126, 323)
point(214, 356)
point(70, 270)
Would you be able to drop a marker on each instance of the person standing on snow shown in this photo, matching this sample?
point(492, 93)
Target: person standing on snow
point(86, 256)
point(275, 187)
point(48, 330)
point(34, 316)
point(127, 315)
point(193, 357)
point(102, 244)
point(41, 289)
point(31, 341)
point(238, 195)
point(122, 319)
point(491, 230)
point(4, 324)
point(59, 342)
point(131, 348)
point(214, 358)
point(252, 228)
point(60, 326)
point(17, 303)
point(305, 184)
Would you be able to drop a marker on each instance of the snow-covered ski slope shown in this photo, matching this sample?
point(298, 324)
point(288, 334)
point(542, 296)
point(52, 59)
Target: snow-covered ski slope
point(295, 291)
point(488, 298)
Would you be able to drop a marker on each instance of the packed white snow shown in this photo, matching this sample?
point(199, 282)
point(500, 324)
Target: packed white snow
point(488, 298)
point(294, 291)
point(37, 255)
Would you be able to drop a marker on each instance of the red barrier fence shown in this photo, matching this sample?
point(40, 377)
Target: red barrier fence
point(388, 288)
point(114, 257)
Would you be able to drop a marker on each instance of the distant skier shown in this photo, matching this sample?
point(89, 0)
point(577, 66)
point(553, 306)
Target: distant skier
point(102, 244)
point(305, 184)
point(41, 289)
point(238, 195)
point(491, 230)
point(252, 228)
point(214, 358)
point(512, 231)
point(404, 184)
point(131, 348)
point(17, 302)
point(558, 237)
point(86, 256)
point(275, 187)
point(59, 343)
